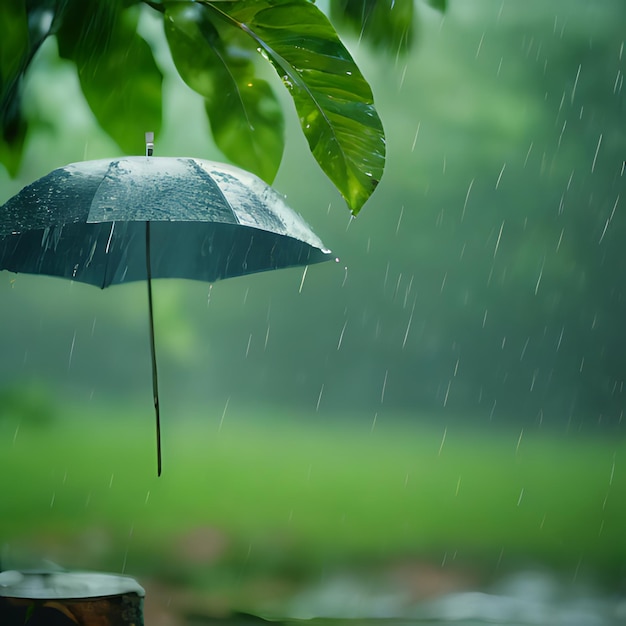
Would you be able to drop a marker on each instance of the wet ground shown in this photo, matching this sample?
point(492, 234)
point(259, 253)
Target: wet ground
point(522, 599)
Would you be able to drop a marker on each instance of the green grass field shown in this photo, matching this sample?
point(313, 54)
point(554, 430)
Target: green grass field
point(272, 494)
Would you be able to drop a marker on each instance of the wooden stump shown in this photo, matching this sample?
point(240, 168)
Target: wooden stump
point(69, 599)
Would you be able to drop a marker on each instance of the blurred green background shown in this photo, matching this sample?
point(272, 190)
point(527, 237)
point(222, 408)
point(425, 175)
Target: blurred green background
point(450, 392)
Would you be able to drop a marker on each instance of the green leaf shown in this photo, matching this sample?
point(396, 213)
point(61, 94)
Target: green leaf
point(387, 24)
point(246, 119)
point(14, 128)
point(440, 5)
point(14, 48)
point(117, 72)
point(13, 39)
point(333, 100)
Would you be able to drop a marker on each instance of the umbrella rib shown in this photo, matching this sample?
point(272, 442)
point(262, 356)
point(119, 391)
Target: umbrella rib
point(205, 175)
point(155, 378)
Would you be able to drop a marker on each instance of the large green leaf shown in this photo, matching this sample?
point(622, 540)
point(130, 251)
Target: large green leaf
point(13, 39)
point(117, 72)
point(14, 49)
point(14, 128)
point(246, 119)
point(333, 100)
point(440, 5)
point(387, 24)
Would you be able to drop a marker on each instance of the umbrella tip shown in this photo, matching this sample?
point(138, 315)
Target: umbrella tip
point(149, 143)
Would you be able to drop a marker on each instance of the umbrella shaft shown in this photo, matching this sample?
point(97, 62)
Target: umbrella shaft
point(155, 378)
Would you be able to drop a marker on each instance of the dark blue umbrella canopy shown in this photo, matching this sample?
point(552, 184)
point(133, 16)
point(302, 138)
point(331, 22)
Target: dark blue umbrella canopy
point(137, 218)
point(208, 221)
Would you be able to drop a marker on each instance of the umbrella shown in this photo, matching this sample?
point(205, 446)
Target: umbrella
point(107, 222)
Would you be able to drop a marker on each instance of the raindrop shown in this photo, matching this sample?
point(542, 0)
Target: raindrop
point(382, 393)
point(528, 153)
point(558, 345)
point(619, 80)
point(493, 410)
point(561, 134)
point(248, 346)
point(561, 103)
point(443, 440)
point(53, 499)
point(399, 219)
point(407, 291)
point(595, 156)
point(495, 251)
point(345, 275)
point(223, 414)
point(500, 175)
point(343, 330)
point(458, 487)
point(558, 245)
point(480, 45)
point(69, 361)
point(402, 77)
point(575, 84)
point(386, 277)
point(417, 132)
point(306, 268)
point(108, 246)
point(130, 536)
point(608, 221)
point(519, 441)
point(397, 287)
point(408, 326)
point(445, 400)
point(319, 398)
point(467, 195)
point(374, 422)
point(540, 275)
point(521, 495)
